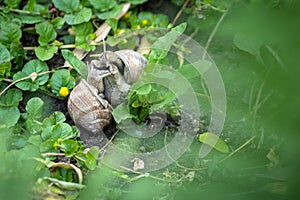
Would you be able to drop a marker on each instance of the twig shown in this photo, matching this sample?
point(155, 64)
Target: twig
point(22, 11)
point(180, 12)
point(148, 175)
point(24, 78)
point(276, 56)
point(211, 36)
point(53, 154)
point(69, 166)
point(109, 141)
point(238, 149)
point(65, 46)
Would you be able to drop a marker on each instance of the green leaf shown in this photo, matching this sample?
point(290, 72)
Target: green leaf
point(58, 22)
point(134, 2)
point(56, 118)
point(46, 132)
point(63, 131)
point(69, 147)
point(4, 54)
point(111, 13)
point(27, 84)
point(77, 64)
point(214, 141)
point(83, 15)
point(145, 15)
point(46, 32)
point(162, 46)
point(145, 89)
point(92, 157)
point(248, 44)
point(34, 107)
point(30, 5)
point(36, 140)
point(47, 146)
point(28, 19)
point(83, 32)
point(33, 126)
point(189, 71)
point(45, 52)
point(11, 98)
point(67, 5)
point(103, 5)
point(13, 3)
point(121, 113)
point(113, 23)
point(10, 33)
point(61, 78)
point(32, 84)
point(4, 68)
point(9, 116)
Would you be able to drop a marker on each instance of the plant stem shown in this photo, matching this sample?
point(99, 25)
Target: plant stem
point(21, 11)
point(22, 79)
point(211, 36)
point(180, 11)
point(65, 46)
point(238, 149)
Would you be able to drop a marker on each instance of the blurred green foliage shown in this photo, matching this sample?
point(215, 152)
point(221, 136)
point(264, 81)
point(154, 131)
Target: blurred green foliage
point(256, 49)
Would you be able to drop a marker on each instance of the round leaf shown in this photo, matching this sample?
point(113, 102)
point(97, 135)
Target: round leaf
point(11, 98)
point(34, 107)
point(56, 118)
point(67, 5)
point(9, 116)
point(61, 78)
point(32, 66)
point(103, 5)
point(46, 32)
point(111, 14)
point(4, 54)
point(83, 15)
point(45, 53)
point(69, 147)
point(63, 131)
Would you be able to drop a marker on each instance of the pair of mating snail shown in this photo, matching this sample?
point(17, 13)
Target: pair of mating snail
point(109, 79)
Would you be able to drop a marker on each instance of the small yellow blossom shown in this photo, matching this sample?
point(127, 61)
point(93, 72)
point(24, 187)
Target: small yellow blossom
point(64, 91)
point(127, 15)
point(120, 31)
point(145, 22)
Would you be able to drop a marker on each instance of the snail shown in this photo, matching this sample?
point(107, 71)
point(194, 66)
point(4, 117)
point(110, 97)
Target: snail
point(109, 79)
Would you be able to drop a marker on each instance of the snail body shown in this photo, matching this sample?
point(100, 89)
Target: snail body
point(108, 82)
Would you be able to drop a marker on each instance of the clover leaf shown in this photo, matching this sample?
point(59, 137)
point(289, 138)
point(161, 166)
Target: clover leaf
point(67, 5)
point(84, 15)
point(11, 98)
point(46, 33)
point(34, 80)
point(34, 107)
point(61, 78)
point(12, 112)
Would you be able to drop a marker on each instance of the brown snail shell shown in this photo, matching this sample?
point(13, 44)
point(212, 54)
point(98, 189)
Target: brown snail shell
point(134, 64)
point(108, 82)
point(87, 109)
point(117, 85)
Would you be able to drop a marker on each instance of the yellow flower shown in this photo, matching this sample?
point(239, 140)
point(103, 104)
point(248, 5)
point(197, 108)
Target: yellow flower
point(120, 31)
point(145, 22)
point(127, 15)
point(64, 91)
